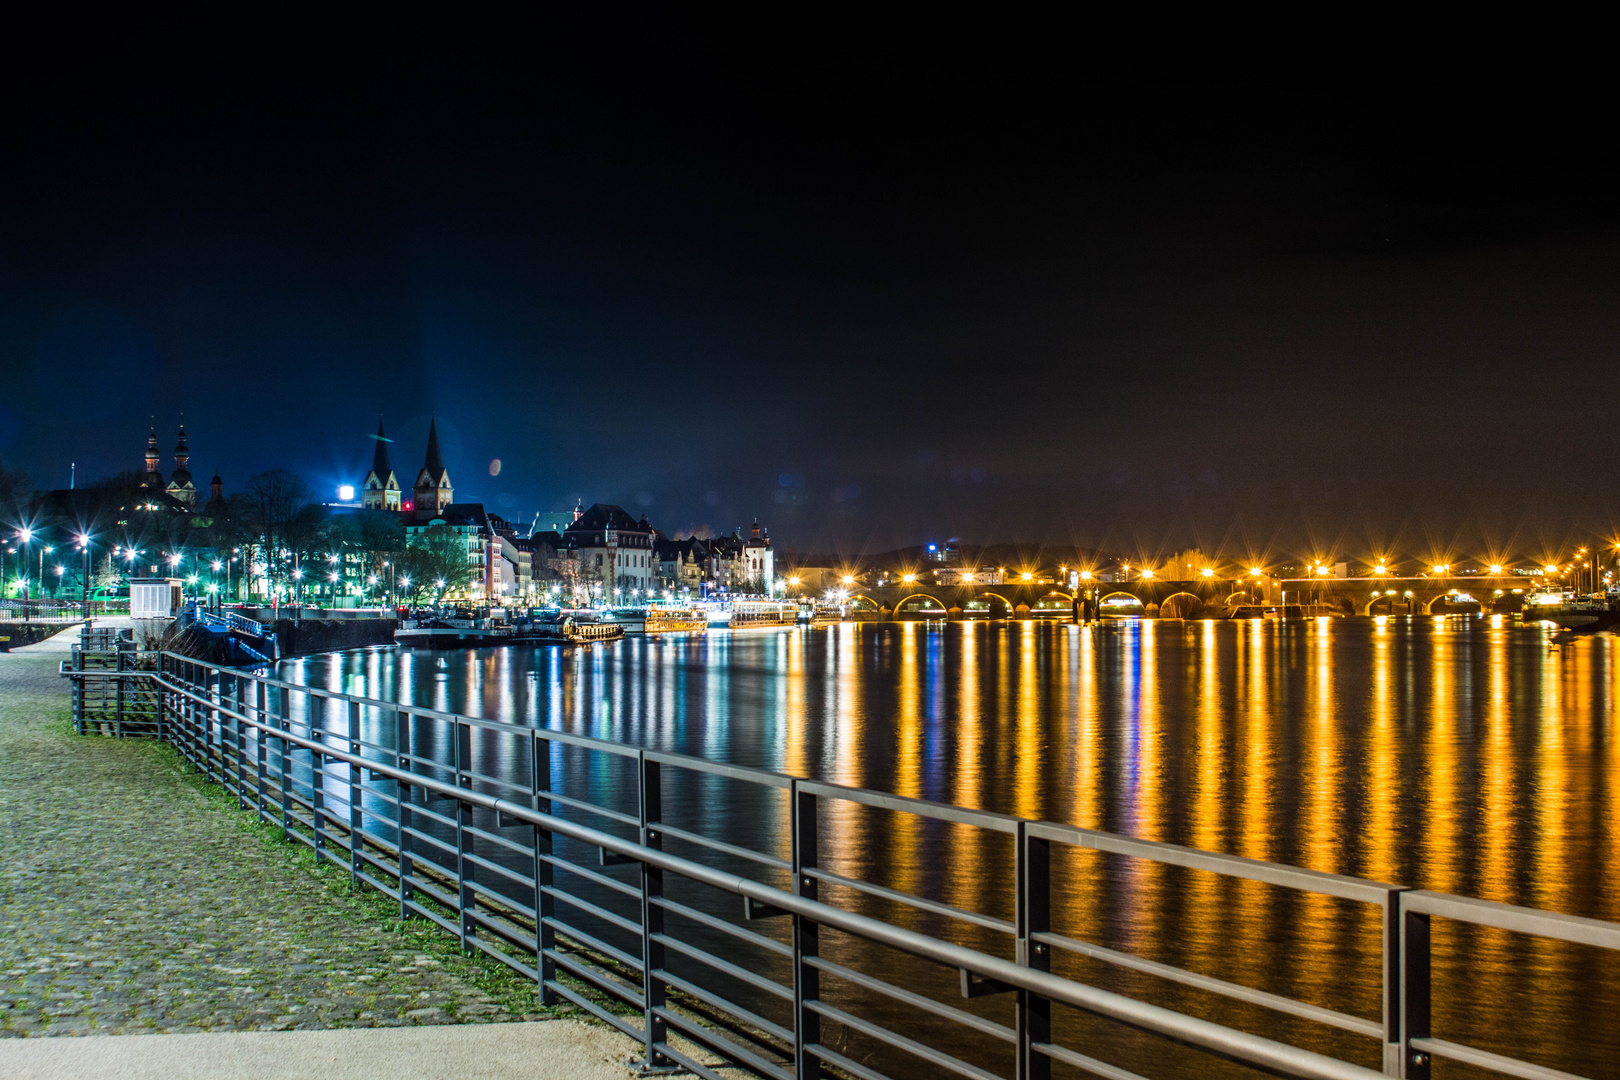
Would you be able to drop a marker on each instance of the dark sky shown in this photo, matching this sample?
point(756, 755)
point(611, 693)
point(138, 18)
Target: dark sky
point(873, 296)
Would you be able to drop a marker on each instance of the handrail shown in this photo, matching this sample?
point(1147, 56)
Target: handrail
point(1191, 1030)
point(219, 741)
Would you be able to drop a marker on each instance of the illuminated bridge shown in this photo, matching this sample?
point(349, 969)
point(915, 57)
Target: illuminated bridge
point(1189, 599)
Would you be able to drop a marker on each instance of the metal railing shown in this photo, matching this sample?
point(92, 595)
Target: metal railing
point(654, 926)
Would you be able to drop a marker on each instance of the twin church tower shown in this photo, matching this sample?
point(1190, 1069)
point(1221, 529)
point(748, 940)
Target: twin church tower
point(381, 490)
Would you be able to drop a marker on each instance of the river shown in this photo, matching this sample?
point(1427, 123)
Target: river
point(1465, 755)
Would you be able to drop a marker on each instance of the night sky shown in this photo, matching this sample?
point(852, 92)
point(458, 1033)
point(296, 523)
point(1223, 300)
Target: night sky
point(871, 296)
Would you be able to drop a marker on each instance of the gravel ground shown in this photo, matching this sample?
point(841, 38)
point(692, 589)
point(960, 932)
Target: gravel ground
point(133, 899)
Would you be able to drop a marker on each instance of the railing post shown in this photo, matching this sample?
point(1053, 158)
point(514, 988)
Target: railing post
point(284, 722)
point(652, 914)
point(545, 936)
point(404, 794)
point(162, 696)
point(464, 820)
point(118, 679)
point(1414, 991)
point(356, 775)
point(261, 748)
point(806, 935)
point(1392, 939)
point(317, 779)
point(1032, 905)
point(239, 739)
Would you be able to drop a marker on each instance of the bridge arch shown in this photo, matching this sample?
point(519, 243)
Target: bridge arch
point(1240, 598)
point(970, 607)
point(1056, 603)
point(1387, 603)
point(1121, 603)
point(864, 603)
point(920, 604)
point(1181, 605)
point(1463, 603)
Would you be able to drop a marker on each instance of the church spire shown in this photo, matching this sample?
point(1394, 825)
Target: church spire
point(435, 462)
point(379, 460)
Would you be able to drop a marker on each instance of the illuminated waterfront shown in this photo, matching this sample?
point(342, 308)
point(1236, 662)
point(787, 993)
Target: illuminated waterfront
point(1446, 754)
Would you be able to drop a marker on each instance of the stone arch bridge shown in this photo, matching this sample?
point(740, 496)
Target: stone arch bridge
point(1185, 599)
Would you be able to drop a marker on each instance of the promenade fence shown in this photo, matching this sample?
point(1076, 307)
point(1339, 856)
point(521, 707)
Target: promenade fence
point(656, 926)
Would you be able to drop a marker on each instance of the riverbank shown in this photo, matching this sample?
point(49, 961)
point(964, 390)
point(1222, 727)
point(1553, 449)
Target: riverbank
point(135, 899)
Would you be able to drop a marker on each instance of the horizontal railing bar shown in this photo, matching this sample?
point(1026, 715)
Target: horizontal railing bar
point(502, 841)
point(501, 898)
point(526, 970)
point(990, 922)
point(1237, 991)
point(687, 1063)
point(715, 1001)
point(602, 980)
point(742, 933)
point(1469, 1055)
point(433, 917)
point(721, 846)
point(900, 1042)
point(920, 1001)
point(709, 1037)
point(1084, 1063)
point(725, 967)
point(854, 1068)
point(594, 942)
point(986, 819)
point(1523, 920)
point(592, 808)
point(611, 1019)
point(591, 875)
point(629, 926)
point(927, 1004)
point(1294, 877)
point(720, 768)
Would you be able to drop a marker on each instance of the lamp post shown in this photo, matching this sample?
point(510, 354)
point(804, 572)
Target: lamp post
point(24, 536)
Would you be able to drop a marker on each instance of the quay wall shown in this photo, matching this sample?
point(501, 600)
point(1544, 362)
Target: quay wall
point(308, 636)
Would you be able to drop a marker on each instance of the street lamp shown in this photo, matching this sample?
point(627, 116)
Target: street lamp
point(25, 535)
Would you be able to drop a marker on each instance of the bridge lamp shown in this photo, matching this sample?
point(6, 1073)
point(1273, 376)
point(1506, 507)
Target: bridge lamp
point(967, 576)
point(909, 579)
point(1496, 568)
point(1026, 577)
point(793, 581)
point(1085, 575)
point(1551, 569)
point(1209, 571)
point(1147, 573)
point(1254, 571)
point(848, 580)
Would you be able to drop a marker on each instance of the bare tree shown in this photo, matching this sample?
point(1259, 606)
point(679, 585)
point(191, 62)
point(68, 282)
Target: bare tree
point(274, 510)
point(437, 560)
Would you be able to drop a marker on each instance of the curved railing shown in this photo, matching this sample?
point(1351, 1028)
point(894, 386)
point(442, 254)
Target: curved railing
point(585, 896)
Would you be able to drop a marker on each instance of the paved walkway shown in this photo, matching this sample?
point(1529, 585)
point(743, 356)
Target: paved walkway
point(552, 1050)
point(133, 901)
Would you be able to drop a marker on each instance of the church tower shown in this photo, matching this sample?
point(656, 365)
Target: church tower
point(433, 490)
point(381, 488)
point(152, 479)
point(181, 487)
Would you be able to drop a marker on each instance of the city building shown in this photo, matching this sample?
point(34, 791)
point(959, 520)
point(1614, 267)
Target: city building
point(614, 553)
point(758, 559)
point(682, 564)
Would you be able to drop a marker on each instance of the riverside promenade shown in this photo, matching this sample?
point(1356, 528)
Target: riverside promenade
point(136, 900)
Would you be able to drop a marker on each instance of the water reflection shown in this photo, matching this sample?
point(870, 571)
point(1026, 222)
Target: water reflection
point(1456, 754)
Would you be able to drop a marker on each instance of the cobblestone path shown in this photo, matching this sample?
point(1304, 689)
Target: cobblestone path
point(133, 900)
